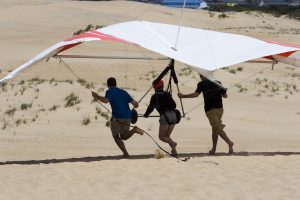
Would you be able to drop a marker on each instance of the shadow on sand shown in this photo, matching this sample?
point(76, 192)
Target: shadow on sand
point(145, 156)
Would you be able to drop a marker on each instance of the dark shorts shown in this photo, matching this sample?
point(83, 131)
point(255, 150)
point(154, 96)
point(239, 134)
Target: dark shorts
point(171, 115)
point(119, 126)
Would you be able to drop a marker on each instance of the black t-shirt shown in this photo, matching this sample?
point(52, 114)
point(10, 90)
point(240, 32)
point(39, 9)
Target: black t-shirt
point(212, 94)
point(162, 101)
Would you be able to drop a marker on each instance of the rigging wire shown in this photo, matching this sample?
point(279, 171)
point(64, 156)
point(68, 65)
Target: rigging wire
point(126, 65)
point(174, 156)
point(243, 80)
point(144, 11)
point(135, 8)
point(148, 60)
point(77, 77)
point(179, 26)
point(210, 49)
point(141, 50)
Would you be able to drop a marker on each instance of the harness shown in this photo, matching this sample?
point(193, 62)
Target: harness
point(158, 106)
point(173, 76)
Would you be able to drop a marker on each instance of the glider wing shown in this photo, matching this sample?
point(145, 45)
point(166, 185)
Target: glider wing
point(203, 50)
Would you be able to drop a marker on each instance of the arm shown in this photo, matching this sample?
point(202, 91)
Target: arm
point(191, 95)
point(224, 92)
point(100, 98)
point(134, 103)
point(150, 107)
point(149, 111)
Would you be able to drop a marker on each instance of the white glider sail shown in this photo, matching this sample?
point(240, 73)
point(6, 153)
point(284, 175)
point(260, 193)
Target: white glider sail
point(203, 50)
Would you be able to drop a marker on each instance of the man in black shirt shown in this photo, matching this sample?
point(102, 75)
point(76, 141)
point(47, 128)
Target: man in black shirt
point(213, 106)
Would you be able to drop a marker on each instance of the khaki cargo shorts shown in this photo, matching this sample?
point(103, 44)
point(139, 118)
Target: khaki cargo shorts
point(215, 119)
point(119, 126)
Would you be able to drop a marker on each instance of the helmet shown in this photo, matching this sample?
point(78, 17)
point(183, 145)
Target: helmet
point(158, 85)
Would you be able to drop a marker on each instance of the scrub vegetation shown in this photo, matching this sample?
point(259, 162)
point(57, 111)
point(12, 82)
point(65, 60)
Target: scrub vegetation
point(276, 11)
point(71, 100)
point(105, 115)
point(85, 121)
point(88, 28)
point(33, 90)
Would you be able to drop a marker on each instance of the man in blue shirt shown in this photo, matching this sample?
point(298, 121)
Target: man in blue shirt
point(213, 107)
point(121, 114)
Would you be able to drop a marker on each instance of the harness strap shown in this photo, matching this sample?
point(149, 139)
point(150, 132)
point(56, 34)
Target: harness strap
point(158, 105)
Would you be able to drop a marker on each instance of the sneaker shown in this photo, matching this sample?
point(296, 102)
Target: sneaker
point(138, 130)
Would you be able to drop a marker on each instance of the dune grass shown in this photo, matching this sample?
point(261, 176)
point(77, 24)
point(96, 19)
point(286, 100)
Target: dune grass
point(276, 11)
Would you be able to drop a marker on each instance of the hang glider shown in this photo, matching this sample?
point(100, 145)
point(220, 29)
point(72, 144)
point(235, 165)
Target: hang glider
point(203, 50)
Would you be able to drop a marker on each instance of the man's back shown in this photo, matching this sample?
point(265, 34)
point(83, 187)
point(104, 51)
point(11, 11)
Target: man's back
point(212, 94)
point(119, 100)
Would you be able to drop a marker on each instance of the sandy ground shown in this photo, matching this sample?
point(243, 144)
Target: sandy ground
point(47, 153)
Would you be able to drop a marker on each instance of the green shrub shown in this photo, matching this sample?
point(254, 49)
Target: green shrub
point(277, 11)
point(239, 69)
point(233, 71)
point(11, 112)
point(54, 107)
point(85, 121)
point(21, 82)
point(18, 122)
point(222, 15)
point(3, 87)
point(25, 106)
point(82, 82)
point(5, 124)
point(105, 115)
point(72, 100)
point(88, 28)
point(37, 81)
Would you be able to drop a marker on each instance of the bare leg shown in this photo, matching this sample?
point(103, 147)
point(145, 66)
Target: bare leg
point(130, 133)
point(224, 136)
point(127, 135)
point(215, 142)
point(170, 129)
point(163, 131)
point(121, 145)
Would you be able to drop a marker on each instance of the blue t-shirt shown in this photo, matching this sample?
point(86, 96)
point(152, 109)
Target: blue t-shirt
point(119, 101)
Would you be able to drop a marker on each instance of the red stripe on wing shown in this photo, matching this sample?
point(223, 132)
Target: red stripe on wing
point(69, 46)
point(283, 44)
point(98, 35)
point(92, 34)
point(286, 54)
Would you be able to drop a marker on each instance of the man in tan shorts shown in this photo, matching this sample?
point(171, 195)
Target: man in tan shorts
point(121, 114)
point(213, 106)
